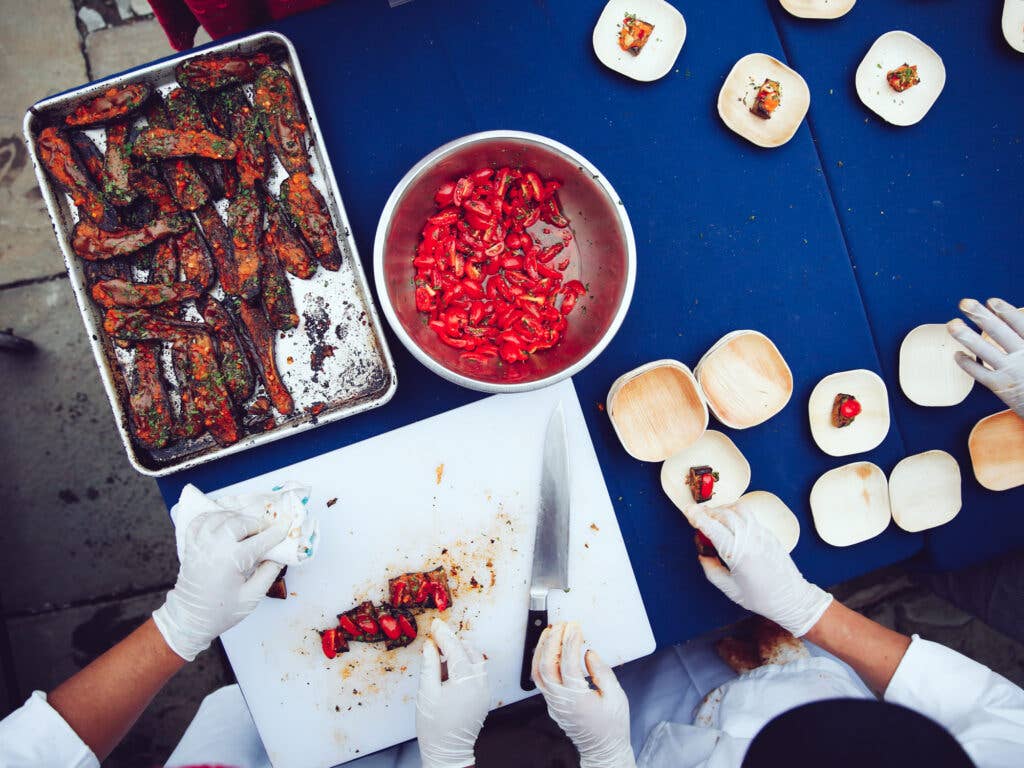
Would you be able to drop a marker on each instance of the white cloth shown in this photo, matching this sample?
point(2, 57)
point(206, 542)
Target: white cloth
point(35, 736)
point(286, 502)
point(981, 709)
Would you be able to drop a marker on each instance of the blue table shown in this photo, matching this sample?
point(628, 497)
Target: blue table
point(930, 213)
point(729, 236)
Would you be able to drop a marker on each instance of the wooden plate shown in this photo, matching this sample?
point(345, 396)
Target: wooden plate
point(924, 491)
point(716, 450)
point(888, 52)
point(741, 86)
point(929, 375)
point(773, 514)
point(818, 9)
point(850, 504)
point(1013, 24)
point(658, 56)
point(867, 431)
point(996, 445)
point(657, 410)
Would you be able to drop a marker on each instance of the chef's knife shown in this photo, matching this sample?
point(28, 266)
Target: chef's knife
point(551, 544)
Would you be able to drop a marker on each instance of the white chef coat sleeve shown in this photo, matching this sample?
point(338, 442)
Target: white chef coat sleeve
point(983, 710)
point(35, 736)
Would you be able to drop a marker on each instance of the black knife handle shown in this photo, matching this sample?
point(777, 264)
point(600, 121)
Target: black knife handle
point(536, 623)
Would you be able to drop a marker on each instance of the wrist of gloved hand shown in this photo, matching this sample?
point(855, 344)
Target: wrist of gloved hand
point(221, 580)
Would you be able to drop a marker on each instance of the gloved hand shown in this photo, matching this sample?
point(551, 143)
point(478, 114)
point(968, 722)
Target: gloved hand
point(1005, 325)
point(450, 714)
point(219, 582)
point(761, 576)
point(591, 708)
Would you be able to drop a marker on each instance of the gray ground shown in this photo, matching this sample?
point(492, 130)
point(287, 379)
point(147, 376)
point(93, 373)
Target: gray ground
point(89, 545)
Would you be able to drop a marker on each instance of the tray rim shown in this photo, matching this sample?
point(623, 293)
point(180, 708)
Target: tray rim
point(83, 301)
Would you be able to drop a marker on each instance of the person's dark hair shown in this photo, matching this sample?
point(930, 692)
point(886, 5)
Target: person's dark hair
point(854, 733)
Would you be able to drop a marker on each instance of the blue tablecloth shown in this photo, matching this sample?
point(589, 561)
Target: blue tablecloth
point(729, 236)
point(930, 213)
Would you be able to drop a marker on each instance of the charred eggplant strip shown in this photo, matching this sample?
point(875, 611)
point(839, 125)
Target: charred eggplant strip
point(286, 245)
point(210, 73)
point(181, 176)
point(121, 293)
point(62, 164)
point(165, 263)
point(88, 153)
point(259, 339)
point(233, 362)
point(221, 247)
point(117, 165)
point(187, 113)
point(245, 221)
point(194, 257)
point(92, 243)
point(252, 159)
point(277, 293)
point(308, 212)
point(190, 423)
point(148, 406)
point(109, 269)
point(155, 191)
point(112, 104)
point(281, 113)
point(165, 143)
point(222, 107)
point(211, 395)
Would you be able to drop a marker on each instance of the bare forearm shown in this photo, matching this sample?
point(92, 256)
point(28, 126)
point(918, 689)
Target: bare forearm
point(106, 698)
point(872, 650)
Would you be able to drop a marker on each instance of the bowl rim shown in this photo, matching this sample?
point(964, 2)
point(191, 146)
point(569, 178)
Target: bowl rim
point(380, 238)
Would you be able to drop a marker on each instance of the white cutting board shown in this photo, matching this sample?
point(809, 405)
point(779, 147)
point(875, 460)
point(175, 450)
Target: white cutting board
point(392, 515)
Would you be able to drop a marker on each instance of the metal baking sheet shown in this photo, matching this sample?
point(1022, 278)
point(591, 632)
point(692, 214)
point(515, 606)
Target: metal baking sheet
point(335, 364)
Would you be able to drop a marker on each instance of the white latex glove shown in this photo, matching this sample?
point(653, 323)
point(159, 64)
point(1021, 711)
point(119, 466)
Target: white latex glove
point(1005, 326)
point(761, 576)
point(450, 714)
point(590, 707)
point(219, 582)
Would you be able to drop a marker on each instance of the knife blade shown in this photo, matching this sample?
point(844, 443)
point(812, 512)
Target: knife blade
point(551, 542)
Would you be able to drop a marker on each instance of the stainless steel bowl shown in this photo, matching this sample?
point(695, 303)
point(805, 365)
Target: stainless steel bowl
point(603, 256)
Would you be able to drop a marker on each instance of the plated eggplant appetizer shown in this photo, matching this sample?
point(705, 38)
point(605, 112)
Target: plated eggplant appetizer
point(767, 100)
point(845, 408)
point(701, 481)
point(160, 253)
point(903, 77)
point(634, 34)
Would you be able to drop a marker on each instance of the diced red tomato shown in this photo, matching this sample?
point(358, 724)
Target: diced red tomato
point(327, 642)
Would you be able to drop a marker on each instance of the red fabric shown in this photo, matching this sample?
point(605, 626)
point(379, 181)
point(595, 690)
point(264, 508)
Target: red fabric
point(182, 18)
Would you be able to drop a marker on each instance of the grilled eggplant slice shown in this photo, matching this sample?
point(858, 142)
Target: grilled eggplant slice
point(155, 191)
point(308, 212)
point(364, 618)
point(190, 422)
point(398, 626)
point(165, 143)
point(211, 394)
point(148, 407)
point(281, 113)
point(216, 71)
point(418, 591)
point(92, 243)
point(230, 354)
point(181, 176)
point(117, 165)
point(113, 104)
point(164, 268)
point(290, 249)
point(121, 293)
point(259, 340)
point(279, 590)
point(221, 247)
point(194, 257)
point(63, 165)
point(245, 220)
point(88, 153)
point(187, 114)
point(276, 291)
